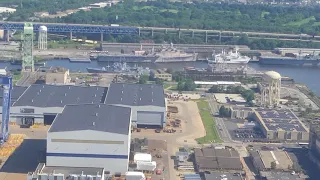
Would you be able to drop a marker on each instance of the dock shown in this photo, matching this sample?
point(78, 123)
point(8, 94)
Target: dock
point(80, 59)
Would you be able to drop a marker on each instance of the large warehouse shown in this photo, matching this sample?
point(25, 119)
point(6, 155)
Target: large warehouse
point(281, 124)
point(90, 135)
point(41, 103)
point(147, 102)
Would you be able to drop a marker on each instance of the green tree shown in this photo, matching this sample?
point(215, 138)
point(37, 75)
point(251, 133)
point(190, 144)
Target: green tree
point(273, 165)
point(159, 81)
point(189, 85)
point(143, 79)
point(180, 86)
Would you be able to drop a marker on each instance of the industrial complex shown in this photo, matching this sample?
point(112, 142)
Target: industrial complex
point(39, 104)
point(281, 124)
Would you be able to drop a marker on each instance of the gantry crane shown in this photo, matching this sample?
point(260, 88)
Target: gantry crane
point(6, 82)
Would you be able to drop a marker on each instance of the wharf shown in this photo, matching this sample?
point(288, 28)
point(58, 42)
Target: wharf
point(80, 59)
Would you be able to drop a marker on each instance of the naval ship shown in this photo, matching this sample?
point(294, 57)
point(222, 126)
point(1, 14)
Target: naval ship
point(120, 68)
point(165, 54)
point(298, 59)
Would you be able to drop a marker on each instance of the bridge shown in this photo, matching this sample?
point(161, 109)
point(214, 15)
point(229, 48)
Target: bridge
point(106, 29)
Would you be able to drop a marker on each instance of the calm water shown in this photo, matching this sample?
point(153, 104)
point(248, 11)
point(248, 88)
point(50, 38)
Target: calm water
point(306, 75)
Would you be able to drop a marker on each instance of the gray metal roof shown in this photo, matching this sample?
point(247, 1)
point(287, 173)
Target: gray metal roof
point(221, 175)
point(97, 117)
point(16, 92)
point(136, 94)
point(59, 96)
point(210, 158)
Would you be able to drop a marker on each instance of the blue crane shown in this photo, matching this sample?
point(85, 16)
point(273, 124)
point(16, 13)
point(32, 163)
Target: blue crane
point(6, 82)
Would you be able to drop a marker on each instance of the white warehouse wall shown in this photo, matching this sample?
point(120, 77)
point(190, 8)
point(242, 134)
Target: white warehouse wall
point(15, 112)
point(72, 154)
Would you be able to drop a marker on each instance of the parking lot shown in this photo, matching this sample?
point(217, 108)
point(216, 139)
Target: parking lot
point(239, 133)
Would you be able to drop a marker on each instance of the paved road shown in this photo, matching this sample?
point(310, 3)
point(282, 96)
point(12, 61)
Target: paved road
point(220, 125)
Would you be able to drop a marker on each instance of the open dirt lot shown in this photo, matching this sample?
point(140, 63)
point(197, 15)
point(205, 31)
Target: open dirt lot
point(27, 156)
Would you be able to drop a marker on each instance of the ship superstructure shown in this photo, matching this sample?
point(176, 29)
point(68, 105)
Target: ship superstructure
point(229, 57)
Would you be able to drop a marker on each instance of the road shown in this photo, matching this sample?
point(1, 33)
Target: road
point(94, 28)
point(220, 126)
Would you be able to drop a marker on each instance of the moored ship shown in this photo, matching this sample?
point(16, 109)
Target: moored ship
point(294, 59)
point(171, 54)
point(134, 57)
point(120, 68)
point(229, 58)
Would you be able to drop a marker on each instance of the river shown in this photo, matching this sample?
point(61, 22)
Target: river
point(306, 75)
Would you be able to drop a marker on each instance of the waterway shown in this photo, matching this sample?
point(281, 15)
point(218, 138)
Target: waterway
point(309, 76)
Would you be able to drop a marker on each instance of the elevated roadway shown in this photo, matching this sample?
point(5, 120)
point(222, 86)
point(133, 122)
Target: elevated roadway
point(106, 29)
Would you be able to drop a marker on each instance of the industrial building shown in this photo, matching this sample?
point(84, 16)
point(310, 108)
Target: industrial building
point(240, 112)
point(270, 89)
point(281, 124)
point(41, 103)
point(281, 175)
point(210, 159)
point(62, 173)
point(160, 74)
point(314, 142)
point(262, 160)
point(90, 135)
point(57, 76)
point(147, 102)
point(223, 176)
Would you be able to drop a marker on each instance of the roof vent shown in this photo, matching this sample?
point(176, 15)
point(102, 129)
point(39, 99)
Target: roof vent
point(38, 93)
point(42, 86)
point(97, 88)
point(140, 99)
point(91, 102)
point(96, 114)
point(140, 89)
point(120, 99)
point(152, 93)
point(93, 123)
point(40, 90)
point(95, 95)
point(122, 85)
point(31, 100)
point(61, 101)
point(99, 106)
point(69, 87)
point(121, 92)
point(152, 100)
point(65, 94)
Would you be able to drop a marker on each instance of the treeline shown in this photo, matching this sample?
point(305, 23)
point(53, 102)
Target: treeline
point(29, 7)
point(204, 15)
point(248, 95)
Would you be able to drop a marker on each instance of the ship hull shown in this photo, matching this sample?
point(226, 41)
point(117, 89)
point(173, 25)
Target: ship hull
point(95, 70)
point(288, 61)
point(176, 59)
point(127, 59)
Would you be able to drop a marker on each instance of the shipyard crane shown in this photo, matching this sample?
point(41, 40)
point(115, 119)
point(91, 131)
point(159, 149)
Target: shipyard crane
point(6, 83)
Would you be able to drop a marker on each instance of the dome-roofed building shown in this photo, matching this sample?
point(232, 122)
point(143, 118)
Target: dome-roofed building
point(273, 75)
point(270, 89)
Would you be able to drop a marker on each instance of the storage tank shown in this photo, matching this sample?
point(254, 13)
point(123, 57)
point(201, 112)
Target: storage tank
point(131, 175)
